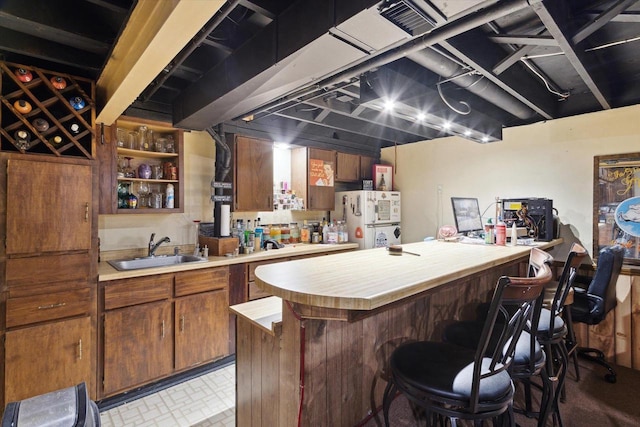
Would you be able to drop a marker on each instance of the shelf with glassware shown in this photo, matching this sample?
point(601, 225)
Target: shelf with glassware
point(148, 167)
point(46, 112)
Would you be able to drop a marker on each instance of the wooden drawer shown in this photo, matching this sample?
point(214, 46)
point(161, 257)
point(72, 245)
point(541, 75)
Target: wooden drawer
point(138, 290)
point(41, 308)
point(38, 274)
point(255, 292)
point(196, 281)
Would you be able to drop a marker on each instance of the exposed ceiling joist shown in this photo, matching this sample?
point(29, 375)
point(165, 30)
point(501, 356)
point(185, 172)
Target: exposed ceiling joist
point(557, 21)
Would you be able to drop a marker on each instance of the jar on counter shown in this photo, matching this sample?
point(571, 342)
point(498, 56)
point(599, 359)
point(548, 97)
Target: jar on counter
point(305, 233)
point(294, 233)
point(275, 233)
point(285, 234)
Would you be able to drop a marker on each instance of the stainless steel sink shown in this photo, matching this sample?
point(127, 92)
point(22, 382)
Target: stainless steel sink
point(154, 261)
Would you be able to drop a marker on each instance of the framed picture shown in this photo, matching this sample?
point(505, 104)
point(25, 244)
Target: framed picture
point(382, 177)
point(616, 204)
point(321, 173)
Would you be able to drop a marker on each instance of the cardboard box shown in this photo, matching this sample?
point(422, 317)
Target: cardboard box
point(219, 246)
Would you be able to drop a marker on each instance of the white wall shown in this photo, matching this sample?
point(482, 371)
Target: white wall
point(552, 159)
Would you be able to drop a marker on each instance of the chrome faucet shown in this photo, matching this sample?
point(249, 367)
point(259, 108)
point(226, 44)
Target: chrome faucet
point(154, 246)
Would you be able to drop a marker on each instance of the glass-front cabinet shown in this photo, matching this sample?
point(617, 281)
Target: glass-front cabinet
point(142, 168)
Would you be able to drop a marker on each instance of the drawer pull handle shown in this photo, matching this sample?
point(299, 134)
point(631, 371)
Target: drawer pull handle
point(182, 323)
point(80, 349)
point(86, 212)
point(162, 334)
point(47, 307)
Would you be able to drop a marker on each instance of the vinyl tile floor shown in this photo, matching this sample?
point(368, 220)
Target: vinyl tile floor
point(204, 401)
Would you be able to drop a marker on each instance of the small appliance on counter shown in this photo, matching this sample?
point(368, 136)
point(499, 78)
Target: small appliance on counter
point(372, 217)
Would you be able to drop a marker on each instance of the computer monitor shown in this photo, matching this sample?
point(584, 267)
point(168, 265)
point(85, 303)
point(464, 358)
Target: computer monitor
point(466, 213)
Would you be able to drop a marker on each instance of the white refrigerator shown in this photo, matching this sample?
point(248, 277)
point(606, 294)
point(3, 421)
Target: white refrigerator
point(372, 217)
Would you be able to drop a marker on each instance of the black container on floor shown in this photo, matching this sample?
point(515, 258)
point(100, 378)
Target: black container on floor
point(69, 407)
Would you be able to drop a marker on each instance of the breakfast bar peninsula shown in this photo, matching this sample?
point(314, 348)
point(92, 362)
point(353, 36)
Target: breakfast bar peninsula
point(315, 353)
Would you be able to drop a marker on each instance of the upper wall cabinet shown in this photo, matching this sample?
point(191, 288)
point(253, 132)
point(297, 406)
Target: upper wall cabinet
point(141, 164)
point(252, 174)
point(313, 176)
point(347, 167)
point(46, 112)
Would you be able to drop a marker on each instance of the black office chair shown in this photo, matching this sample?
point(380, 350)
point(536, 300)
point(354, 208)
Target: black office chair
point(451, 381)
point(592, 302)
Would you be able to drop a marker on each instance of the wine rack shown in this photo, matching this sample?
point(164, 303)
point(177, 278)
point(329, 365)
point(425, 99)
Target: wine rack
point(46, 112)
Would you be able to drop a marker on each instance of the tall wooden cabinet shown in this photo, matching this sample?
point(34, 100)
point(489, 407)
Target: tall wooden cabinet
point(49, 267)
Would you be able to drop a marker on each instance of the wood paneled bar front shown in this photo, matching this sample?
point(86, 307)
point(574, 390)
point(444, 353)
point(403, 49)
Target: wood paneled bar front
point(316, 353)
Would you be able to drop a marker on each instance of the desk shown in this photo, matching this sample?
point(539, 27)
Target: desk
point(342, 316)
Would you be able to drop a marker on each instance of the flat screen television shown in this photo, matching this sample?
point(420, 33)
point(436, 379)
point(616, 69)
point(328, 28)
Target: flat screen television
point(466, 213)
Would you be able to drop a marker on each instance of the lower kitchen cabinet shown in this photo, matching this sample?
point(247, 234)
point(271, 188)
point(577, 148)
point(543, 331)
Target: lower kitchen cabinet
point(138, 345)
point(52, 356)
point(156, 326)
point(202, 330)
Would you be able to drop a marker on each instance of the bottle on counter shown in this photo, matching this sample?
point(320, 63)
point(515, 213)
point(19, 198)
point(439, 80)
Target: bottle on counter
point(488, 232)
point(501, 233)
point(325, 231)
point(514, 235)
point(332, 233)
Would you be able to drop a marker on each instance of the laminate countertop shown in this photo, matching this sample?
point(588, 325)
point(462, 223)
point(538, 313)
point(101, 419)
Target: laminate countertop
point(368, 279)
point(107, 272)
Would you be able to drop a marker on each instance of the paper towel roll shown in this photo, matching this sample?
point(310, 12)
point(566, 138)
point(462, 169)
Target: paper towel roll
point(225, 220)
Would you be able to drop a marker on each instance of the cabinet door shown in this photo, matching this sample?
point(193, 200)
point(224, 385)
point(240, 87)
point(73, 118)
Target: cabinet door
point(202, 328)
point(49, 357)
point(253, 174)
point(347, 167)
point(138, 345)
point(321, 197)
point(50, 207)
point(366, 167)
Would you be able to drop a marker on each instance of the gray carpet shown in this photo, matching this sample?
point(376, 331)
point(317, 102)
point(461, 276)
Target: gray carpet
point(590, 402)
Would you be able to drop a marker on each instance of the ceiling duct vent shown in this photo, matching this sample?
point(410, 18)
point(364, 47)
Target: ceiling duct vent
point(407, 16)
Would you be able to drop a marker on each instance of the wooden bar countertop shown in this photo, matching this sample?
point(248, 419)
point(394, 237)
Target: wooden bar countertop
point(368, 279)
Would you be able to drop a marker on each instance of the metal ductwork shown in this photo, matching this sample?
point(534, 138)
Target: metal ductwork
point(484, 88)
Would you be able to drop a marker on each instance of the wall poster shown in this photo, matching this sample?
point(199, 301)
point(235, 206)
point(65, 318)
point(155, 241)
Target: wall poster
point(382, 177)
point(321, 173)
point(616, 204)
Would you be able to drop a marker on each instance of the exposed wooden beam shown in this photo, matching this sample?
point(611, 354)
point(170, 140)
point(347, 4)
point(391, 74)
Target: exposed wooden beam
point(154, 35)
point(601, 20)
point(36, 47)
point(49, 32)
point(552, 16)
